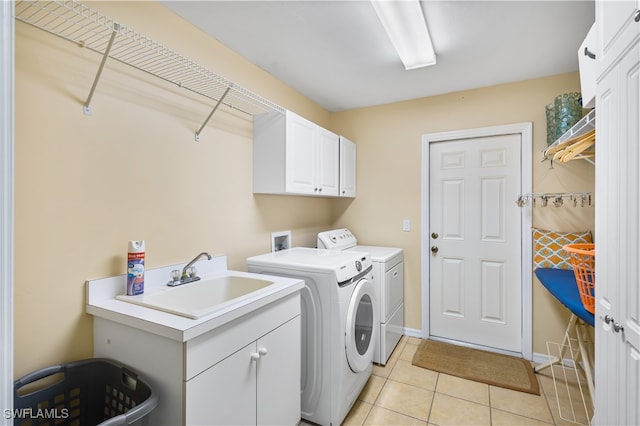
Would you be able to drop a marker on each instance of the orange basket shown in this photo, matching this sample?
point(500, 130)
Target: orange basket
point(583, 260)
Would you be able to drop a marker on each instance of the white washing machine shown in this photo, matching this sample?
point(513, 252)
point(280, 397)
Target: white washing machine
point(339, 317)
point(388, 278)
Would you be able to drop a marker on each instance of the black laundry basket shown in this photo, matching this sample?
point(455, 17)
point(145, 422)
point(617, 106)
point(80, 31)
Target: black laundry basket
point(89, 392)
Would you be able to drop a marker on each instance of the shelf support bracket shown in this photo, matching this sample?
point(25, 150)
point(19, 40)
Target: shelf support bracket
point(211, 113)
point(87, 105)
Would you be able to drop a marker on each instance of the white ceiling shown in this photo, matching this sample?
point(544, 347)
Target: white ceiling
point(337, 53)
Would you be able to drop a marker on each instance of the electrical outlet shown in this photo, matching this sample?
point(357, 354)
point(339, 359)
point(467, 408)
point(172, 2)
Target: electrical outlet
point(406, 225)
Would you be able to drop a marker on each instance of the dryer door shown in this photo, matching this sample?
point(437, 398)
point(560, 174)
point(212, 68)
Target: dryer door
point(361, 334)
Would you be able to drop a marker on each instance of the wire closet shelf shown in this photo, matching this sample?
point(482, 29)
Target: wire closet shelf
point(575, 143)
point(86, 27)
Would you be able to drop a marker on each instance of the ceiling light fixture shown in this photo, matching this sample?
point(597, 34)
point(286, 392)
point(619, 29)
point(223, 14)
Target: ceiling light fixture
point(404, 23)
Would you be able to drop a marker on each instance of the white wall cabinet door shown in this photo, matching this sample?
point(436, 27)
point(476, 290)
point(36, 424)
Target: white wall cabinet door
point(300, 155)
point(615, 19)
point(327, 162)
point(347, 168)
point(617, 370)
point(312, 158)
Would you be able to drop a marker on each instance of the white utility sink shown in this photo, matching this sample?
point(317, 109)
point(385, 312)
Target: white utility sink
point(200, 298)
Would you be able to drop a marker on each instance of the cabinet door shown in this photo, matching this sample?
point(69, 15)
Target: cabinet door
point(327, 165)
point(618, 241)
point(616, 28)
point(299, 152)
point(225, 394)
point(279, 375)
point(347, 168)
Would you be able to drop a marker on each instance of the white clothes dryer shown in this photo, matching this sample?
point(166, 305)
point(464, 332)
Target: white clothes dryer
point(339, 318)
point(388, 279)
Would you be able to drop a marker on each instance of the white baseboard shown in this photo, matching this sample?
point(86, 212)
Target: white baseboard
point(412, 332)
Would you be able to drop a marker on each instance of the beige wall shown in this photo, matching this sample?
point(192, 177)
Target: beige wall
point(389, 175)
point(85, 186)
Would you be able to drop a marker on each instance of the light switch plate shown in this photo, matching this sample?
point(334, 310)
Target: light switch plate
point(406, 225)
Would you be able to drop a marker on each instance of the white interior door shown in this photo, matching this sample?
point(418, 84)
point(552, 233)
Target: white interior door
point(475, 241)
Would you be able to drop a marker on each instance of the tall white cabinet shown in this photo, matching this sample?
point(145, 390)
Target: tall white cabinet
point(617, 327)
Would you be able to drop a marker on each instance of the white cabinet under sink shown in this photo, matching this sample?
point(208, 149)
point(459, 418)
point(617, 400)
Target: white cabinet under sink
point(246, 371)
point(292, 155)
point(255, 383)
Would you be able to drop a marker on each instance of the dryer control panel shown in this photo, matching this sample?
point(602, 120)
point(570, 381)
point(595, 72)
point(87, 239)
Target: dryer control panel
point(337, 239)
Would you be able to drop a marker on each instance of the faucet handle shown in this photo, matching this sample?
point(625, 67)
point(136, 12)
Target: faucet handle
point(176, 275)
point(191, 271)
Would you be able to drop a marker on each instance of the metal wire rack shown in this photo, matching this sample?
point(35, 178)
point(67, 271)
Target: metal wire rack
point(579, 132)
point(91, 29)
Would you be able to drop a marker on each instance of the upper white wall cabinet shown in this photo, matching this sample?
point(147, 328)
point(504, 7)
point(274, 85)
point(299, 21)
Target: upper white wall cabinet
point(90, 29)
point(292, 155)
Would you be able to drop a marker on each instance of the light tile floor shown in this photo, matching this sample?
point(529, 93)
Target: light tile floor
point(402, 394)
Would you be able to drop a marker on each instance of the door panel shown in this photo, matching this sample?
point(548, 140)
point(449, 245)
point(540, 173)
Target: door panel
point(453, 293)
point(492, 221)
point(493, 291)
point(475, 263)
point(453, 205)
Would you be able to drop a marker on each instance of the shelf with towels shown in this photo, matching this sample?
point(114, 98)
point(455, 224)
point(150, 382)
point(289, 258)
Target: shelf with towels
point(88, 28)
point(575, 143)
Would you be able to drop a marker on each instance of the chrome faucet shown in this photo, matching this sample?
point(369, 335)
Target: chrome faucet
point(188, 274)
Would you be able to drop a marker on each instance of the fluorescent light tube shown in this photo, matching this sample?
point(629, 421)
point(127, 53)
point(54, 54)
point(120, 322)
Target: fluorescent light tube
point(404, 23)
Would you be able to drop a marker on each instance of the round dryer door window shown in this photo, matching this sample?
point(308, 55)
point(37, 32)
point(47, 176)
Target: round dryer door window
point(361, 334)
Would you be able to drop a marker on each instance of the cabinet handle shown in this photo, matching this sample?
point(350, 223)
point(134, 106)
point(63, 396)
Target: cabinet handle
point(262, 351)
point(637, 18)
point(255, 356)
point(589, 54)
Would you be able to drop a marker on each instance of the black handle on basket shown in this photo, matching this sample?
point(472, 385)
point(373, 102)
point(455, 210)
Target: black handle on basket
point(135, 414)
point(130, 379)
point(38, 375)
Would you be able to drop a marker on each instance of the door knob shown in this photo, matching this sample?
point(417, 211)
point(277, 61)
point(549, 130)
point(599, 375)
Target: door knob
point(434, 235)
point(434, 249)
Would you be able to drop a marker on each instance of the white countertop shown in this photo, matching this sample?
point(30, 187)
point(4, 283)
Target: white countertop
point(102, 302)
